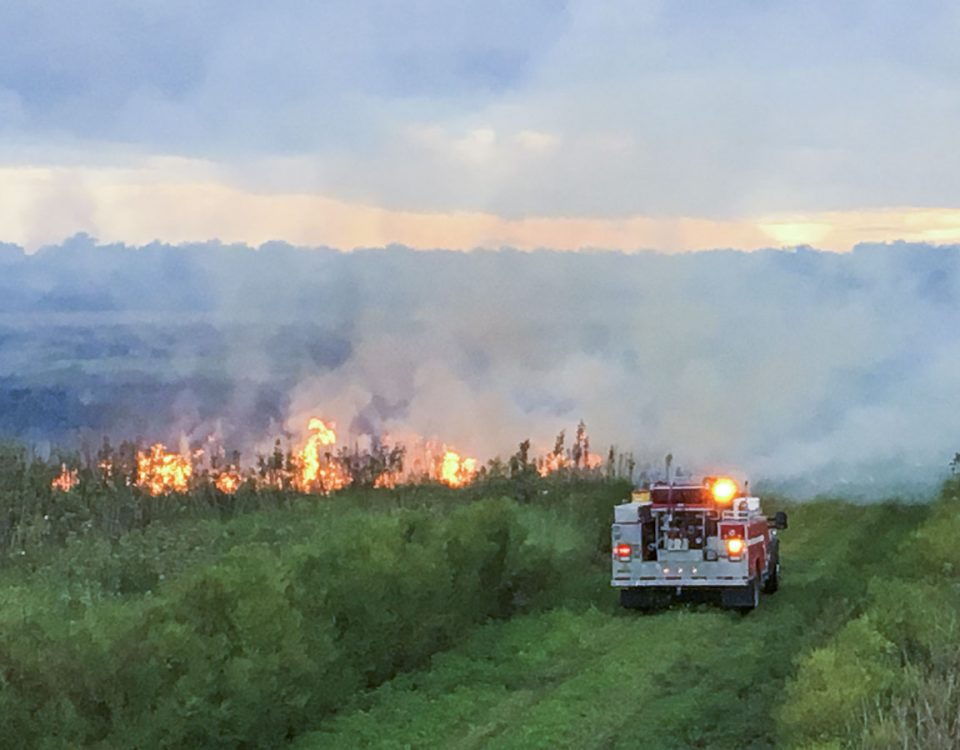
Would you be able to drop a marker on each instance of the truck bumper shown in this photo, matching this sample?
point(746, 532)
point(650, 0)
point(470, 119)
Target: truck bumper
point(671, 575)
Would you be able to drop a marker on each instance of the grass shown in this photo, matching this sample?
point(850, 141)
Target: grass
point(428, 617)
point(245, 631)
point(592, 676)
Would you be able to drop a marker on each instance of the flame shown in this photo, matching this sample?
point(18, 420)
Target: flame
point(457, 471)
point(555, 462)
point(319, 467)
point(576, 458)
point(160, 472)
point(228, 482)
point(106, 468)
point(66, 480)
point(593, 461)
point(388, 480)
point(324, 433)
point(552, 462)
point(319, 472)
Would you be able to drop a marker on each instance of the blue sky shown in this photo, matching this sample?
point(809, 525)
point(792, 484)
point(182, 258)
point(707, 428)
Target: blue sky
point(672, 125)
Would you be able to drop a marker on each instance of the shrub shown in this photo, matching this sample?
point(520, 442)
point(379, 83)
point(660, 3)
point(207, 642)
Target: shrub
point(835, 683)
point(257, 646)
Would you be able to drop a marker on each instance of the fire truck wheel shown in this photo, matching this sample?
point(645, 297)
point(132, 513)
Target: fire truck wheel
point(773, 580)
point(754, 595)
point(743, 598)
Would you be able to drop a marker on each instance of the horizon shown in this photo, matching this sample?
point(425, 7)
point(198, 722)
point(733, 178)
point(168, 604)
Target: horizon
point(672, 126)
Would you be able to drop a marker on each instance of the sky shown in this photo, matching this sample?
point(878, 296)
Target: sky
point(667, 125)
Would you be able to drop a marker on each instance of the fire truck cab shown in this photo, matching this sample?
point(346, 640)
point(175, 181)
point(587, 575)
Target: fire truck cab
point(704, 539)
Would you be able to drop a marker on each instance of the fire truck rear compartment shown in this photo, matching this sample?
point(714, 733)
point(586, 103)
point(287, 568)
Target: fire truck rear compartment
point(678, 553)
point(694, 541)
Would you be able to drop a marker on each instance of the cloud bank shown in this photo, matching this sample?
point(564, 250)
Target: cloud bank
point(785, 364)
point(541, 109)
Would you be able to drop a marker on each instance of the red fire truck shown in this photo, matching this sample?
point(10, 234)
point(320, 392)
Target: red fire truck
point(706, 539)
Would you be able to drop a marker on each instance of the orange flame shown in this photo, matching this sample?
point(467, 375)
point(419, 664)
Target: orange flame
point(457, 471)
point(556, 461)
point(593, 460)
point(318, 472)
point(552, 462)
point(66, 480)
point(228, 482)
point(160, 472)
point(388, 480)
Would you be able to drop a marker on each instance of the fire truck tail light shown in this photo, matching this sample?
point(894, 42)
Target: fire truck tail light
point(734, 547)
point(623, 552)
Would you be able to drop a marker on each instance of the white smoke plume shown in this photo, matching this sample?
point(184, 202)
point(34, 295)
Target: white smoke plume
point(784, 364)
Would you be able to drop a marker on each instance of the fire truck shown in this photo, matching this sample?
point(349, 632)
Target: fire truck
point(697, 540)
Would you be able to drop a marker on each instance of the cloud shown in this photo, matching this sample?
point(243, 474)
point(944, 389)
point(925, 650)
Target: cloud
point(542, 110)
point(135, 202)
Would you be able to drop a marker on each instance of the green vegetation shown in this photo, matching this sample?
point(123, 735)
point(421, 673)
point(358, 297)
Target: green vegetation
point(888, 678)
point(430, 617)
point(220, 628)
point(592, 676)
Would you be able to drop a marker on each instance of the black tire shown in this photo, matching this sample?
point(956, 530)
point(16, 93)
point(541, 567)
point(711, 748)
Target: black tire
point(742, 598)
point(772, 583)
point(755, 595)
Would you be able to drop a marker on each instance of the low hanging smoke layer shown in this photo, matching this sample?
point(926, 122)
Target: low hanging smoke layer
point(782, 364)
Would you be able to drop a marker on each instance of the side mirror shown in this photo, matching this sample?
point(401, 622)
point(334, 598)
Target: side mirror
point(780, 520)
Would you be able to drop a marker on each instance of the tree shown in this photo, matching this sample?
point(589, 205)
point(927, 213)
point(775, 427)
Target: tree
point(520, 461)
point(581, 446)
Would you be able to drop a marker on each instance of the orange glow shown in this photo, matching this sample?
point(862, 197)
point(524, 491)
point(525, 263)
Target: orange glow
point(318, 472)
point(553, 462)
point(66, 480)
point(324, 433)
point(106, 468)
point(159, 472)
point(724, 490)
point(388, 480)
point(734, 547)
point(228, 482)
point(457, 471)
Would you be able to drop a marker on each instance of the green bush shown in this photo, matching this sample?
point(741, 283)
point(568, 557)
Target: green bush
point(887, 678)
point(835, 682)
point(261, 643)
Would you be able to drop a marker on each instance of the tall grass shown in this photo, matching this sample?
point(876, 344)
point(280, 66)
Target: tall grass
point(888, 678)
point(245, 631)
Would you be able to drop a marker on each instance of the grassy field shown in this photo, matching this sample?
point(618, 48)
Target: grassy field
point(244, 629)
point(593, 676)
point(426, 617)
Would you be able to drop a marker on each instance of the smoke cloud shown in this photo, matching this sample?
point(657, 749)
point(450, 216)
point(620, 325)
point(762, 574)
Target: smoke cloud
point(789, 365)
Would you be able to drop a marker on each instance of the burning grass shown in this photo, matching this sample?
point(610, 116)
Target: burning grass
point(130, 486)
point(321, 464)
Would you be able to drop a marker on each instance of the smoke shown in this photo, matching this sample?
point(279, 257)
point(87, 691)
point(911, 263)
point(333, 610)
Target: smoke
point(786, 364)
